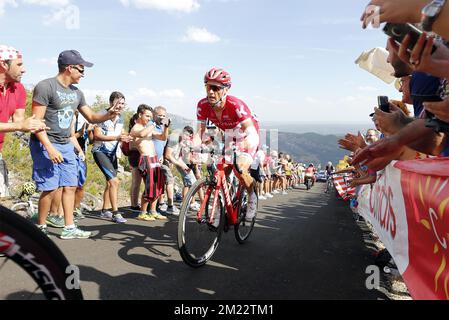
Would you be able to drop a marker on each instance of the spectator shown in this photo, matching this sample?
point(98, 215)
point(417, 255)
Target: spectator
point(12, 103)
point(178, 152)
point(107, 136)
point(149, 165)
point(160, 113)
point(54, 159)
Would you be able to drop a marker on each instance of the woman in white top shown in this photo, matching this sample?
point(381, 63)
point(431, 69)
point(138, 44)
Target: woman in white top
point(107, 137)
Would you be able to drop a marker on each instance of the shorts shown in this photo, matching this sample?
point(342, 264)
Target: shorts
point(82, 172)
point(49, 176)
point(166, 171)
point(151, 172)
point(134, 158)
point(188, 179)
point(256, 174)
point(107, 163)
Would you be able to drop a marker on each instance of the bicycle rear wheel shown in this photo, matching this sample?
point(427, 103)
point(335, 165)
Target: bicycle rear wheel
point(29, 248)
point(243, 228)
point(198, 240)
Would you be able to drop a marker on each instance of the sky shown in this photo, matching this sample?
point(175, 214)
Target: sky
point(290, 60)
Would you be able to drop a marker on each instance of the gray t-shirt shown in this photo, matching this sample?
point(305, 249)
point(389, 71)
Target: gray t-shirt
point(61, 104)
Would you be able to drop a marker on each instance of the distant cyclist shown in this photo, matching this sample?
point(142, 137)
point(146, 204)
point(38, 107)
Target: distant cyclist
point(329, 169)
point(234, 117)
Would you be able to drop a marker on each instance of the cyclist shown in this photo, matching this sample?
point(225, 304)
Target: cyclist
point(329, 169)
point(234, 117)
point(310, 173)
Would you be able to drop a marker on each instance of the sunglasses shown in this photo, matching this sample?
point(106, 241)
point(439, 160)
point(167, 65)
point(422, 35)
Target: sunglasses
point(214, 88)
point(79, 70)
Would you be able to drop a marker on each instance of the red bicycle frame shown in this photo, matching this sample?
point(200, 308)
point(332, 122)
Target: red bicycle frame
point(221, 184)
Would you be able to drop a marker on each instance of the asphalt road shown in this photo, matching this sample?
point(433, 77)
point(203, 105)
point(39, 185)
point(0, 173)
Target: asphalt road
point(305, 245)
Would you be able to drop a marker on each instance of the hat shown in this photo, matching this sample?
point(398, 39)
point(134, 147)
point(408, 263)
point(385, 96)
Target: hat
point(9, 53)
point(72, 57)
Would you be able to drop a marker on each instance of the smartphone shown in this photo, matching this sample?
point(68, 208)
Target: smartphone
point(399, 31)
point(383, 103)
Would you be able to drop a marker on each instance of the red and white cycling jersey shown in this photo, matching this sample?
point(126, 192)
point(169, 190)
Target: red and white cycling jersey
point(234, 113)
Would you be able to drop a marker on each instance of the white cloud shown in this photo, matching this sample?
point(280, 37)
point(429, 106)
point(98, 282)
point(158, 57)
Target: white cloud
point(69, 15)
point(186, 6)
point(367, 88)
point(200, 35)
point(312, 100)
point(3, 4)
point(146, 93)
point(48, 61)
point(91, 95)
point(48, 3)
point(172, 94)
point(132, 73)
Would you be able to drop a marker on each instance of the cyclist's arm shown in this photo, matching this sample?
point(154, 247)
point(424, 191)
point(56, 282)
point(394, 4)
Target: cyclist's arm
point(198, 136)
point(252, 136)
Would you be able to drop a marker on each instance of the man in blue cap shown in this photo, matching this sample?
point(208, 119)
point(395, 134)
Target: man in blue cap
point(54, 159)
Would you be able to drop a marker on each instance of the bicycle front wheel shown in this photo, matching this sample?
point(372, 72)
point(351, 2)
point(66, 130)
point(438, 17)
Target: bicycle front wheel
point(243, 228)
point(25, 245)
point(197, 239)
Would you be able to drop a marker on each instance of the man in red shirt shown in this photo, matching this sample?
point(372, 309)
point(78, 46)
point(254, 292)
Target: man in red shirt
point(13, 95)
point(13, 101)
point(233, 116)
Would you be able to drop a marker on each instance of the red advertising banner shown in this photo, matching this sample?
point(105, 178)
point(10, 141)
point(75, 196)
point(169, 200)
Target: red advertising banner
point(408, 207)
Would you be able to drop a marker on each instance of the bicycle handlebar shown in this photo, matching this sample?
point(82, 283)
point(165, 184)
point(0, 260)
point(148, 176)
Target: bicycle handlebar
point(212, 151)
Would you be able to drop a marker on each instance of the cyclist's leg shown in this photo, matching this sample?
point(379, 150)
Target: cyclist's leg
point(244, 161)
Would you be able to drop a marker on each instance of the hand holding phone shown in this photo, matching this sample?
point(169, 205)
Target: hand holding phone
point(399, 31)
point(383, 103)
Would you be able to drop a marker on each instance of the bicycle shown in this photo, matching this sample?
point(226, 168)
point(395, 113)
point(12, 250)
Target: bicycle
point(198, 239)
point(329, 184)
point(24, 244)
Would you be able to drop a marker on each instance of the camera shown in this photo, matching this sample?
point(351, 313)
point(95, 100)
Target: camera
point(399, 31)
point(383, 103)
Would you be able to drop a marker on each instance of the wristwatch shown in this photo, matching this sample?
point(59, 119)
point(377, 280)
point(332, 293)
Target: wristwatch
point(430, 13)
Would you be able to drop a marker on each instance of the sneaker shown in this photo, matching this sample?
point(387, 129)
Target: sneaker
point(275, 192)
point(269, 195)
point(173, 210)
point(262, 198)
point(284, 193)
point(55, 221)
point(163, 208)
point(145, 217)
point(75, 233)
point(106, 214)
point(252, 207)
point(43, 229)
point(78, 214)
point(118, 218)
point(195, 206)
point(158, 216)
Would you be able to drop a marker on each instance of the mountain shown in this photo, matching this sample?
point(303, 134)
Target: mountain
point(311, 147)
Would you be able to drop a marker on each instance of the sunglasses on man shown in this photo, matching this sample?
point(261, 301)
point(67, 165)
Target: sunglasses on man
point(214, 88)
point(79, 70)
